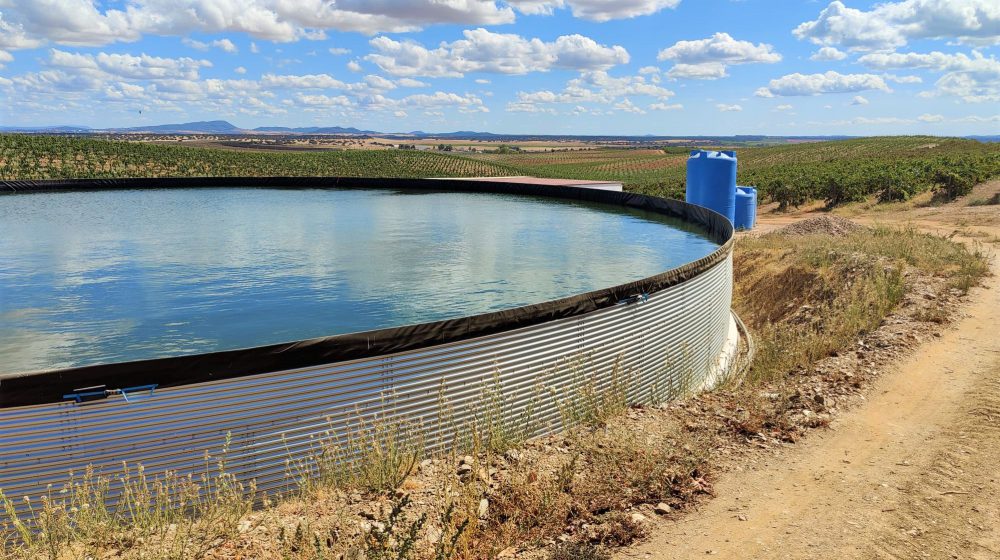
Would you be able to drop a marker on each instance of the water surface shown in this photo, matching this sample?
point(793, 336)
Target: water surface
point(110, 276)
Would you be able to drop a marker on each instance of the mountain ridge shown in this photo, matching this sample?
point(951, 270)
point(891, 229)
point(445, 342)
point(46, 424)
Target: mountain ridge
point(224, 127)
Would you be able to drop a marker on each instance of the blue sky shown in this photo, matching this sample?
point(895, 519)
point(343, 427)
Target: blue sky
point(664, 67)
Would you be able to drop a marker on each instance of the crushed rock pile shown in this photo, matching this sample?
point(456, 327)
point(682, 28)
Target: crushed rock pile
point(828, 225)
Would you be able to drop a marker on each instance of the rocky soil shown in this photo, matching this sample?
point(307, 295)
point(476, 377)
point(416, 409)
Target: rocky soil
point(825, 225)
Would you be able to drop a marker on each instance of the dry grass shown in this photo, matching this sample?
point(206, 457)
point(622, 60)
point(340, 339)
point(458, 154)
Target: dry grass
point(583, 490)
point(177, 517)
point(834, 289)
point(986, 201)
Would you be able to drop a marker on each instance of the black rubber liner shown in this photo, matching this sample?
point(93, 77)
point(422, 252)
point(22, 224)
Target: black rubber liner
point(29, 388)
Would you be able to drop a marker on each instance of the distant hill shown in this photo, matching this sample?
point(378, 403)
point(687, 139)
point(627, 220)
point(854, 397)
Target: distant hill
point(65, 129)
point(197, 127)
point(985, 138)
point(466, 134)
point(313, 130)
point(221, 127)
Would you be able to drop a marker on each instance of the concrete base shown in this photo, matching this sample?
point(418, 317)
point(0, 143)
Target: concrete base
point(726, 360)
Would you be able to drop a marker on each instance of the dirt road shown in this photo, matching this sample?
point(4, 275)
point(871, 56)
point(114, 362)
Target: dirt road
point(913, 473)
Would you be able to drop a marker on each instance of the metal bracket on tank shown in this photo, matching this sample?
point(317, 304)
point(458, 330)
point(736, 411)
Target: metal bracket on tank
point(634, 298)
point(97, 392)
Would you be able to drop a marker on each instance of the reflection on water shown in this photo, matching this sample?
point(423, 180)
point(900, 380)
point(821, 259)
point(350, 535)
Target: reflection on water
point(110, 276)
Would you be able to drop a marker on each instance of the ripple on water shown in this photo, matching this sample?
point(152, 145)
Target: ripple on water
point(122, 275)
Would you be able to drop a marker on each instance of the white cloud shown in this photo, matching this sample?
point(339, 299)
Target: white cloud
point(482, 81)
point(728, 108)
point(859, 100)
point(626, 106)
point(408, 58)
point(68, 22)
point(934, 61)
point(307, 81)
point(891, 25)
point(851, 28)
point(707, 59)
point(974, 79)
point(828, 53)
point(879, 120)
point(222, 44)
point(525, 107)
point(122, 91)
point(784, 107)
point(353, 66)
point(57, 82)
point(226, 45)
point(410, 82)
point(337, 51)
point(970, 87)
point(929, 118)
point(13, 36)
point(978, 119)
point(240, 70)
point(484, 51)
point(591, 88)
point(322, 100)
point(379, 83)
point(665, 107)
point(647, 70)
point(467, 103)
point(32, 23)
point(126, 66)
point(89, 22)
point(253, 48)
point(816, 84)
point(595, 10)
point(251, 105)
point(903, 79)
point(720, 47)
point(5, 57)
point(703, 71)
point(865, 121)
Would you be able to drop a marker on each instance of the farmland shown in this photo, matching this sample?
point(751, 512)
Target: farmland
point(890, 168)
point(50, 157)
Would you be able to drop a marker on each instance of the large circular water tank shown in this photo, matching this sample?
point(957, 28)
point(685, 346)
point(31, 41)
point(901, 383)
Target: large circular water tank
point(151, 321)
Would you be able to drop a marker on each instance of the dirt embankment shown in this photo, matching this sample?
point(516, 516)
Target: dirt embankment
point(914, 472)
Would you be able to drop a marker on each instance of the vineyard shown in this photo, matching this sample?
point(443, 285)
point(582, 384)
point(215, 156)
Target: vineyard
point(50, 157)
point(891, 168)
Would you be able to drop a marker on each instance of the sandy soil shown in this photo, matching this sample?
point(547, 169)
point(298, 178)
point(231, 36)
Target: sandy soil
point(912, 473)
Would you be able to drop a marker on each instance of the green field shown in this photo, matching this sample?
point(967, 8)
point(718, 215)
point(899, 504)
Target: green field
point(891, 168)
point(60, 157)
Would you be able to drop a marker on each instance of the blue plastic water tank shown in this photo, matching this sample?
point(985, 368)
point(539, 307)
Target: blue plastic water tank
point(711, 181)
point(746, 207)
point(692, 186)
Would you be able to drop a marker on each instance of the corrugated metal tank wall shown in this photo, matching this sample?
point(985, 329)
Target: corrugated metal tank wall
point(661, 348)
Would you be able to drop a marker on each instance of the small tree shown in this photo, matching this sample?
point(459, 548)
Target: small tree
point(951, 184)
